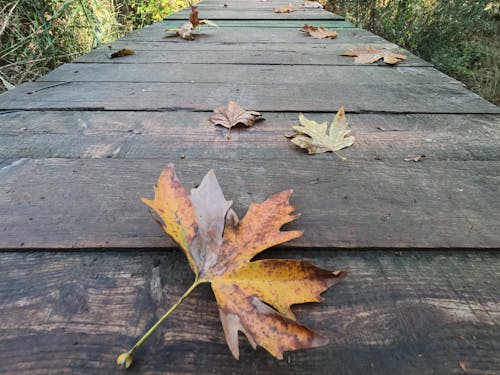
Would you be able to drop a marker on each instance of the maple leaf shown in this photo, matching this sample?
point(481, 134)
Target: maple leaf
point(317, 138)
point(122, 52)
point(370, 54)
point(232, 115)
point(254, 297)
point(318, 32)
point(285, 9)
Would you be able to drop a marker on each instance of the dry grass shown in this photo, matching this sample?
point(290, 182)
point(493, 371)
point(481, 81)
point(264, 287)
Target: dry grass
point(38, 36)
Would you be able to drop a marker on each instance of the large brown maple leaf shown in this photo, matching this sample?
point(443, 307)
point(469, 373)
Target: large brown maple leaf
point(254, 297)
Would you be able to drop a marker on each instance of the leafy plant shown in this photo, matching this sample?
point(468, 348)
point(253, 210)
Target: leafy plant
point(460, 37)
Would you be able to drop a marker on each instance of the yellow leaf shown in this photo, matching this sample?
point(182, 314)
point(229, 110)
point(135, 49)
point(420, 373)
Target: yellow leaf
point(253, 297)
point(370, 54)
point(317, 138)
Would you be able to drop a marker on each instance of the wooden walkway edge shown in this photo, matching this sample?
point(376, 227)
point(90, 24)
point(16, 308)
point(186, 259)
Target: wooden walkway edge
point(84, 270)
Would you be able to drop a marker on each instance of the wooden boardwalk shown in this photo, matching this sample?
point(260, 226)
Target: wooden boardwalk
point(79, 147)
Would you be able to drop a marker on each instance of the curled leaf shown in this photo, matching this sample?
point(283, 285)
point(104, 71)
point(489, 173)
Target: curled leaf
point(233, 114)
point(370, 54)
point(318, 32)
point(285, 9)
point(311, 4)
point(317, 138)
point(193, 15)
point(122, 52)
point(416, 158)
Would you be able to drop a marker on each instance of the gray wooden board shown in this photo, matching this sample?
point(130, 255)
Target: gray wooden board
point(330, 55)
point(95, 203)
point(178, 45)
point(168, 135)
point(299, 75)
point(270, 35)
point(258, 14)
point(396, 313)
point(256, 5)
point(284, 24)
point(409, 90)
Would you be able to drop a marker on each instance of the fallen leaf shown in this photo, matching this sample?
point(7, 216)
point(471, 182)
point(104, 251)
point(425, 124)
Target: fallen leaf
point(311, 4)
point(462, 366)
point(122, 52)
point(416, 158)
point(254, 297)
point(318, 32)
point(186, 30)
point(370, 54)
point(193, 15)
point(233, 114)
point(317, 138)
point(285, 9)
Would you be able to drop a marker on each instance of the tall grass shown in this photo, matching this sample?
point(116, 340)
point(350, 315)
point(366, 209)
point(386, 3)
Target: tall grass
point(38, 36)
point(461, 38)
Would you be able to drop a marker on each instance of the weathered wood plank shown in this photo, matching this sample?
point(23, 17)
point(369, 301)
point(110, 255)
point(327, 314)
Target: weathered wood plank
point(146, 135)
point(407, 90)
point(95, 203)
point(413, 313)
point(330, 56)
point(282, 24)
point(299, 75)
point(244, 35)
point(258, 14)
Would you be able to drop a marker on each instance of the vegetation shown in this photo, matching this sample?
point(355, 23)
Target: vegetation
point(460, 37)
point(37, 36)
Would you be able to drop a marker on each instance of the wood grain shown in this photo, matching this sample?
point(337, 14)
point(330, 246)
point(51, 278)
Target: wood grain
point(412, 313)
point(433, 93)
point(289, 55)
point(242, 74)
point(269, 35)
point(168, 135)
point(216, 14)
point(95, 203)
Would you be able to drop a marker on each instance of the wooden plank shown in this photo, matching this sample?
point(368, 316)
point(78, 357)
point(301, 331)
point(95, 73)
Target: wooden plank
point(407, 90)
point(95, 203)
point(282, 24)
point(145, 135)
point(330, 55)
point(233, 35)
point(300, 75)
point(419, 312)
point(257, 14)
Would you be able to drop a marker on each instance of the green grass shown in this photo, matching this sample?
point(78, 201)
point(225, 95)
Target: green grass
point(38, 36)
point(461, 38)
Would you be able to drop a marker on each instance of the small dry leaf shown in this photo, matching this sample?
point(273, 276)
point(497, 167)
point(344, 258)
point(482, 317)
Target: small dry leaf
point(286, 9)
point(317, 138)
point(370, 54)
point(415, 158)
point(311, 4)
point(186, 30)
point(254, 297)
point(193, 15)
point(318, 32)
point(122, 52)
point(462, 366)
point(233, 114)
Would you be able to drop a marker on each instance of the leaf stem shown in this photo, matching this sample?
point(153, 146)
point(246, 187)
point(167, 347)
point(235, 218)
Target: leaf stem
point(125, 359)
